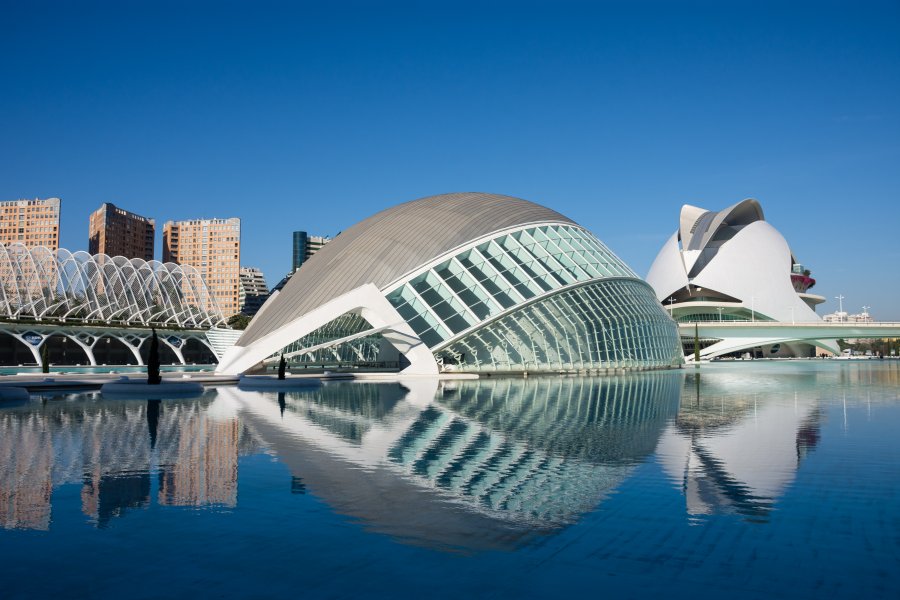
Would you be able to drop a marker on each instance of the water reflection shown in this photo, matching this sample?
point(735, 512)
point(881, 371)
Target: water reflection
point(468, 464)
point(461, 464)
point(114, 450)
point(735, 446)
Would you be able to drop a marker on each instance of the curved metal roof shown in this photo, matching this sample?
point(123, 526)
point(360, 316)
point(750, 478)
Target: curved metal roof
point(391, 243)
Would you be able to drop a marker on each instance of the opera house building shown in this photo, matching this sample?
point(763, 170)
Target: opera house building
point(732, 265)
point(465, 282)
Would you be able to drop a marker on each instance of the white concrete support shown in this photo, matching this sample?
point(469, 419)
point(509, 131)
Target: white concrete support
point(35, 350)
point(366, 301)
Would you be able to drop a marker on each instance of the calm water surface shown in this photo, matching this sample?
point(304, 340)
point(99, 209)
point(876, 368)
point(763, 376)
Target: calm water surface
point(747, 480)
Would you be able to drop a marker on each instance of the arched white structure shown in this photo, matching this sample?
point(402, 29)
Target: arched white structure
point(42, 285)
point(469, 282)
point(732, 266)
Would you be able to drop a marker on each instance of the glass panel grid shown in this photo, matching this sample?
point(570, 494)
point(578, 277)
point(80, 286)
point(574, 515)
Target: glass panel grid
point(510, 269)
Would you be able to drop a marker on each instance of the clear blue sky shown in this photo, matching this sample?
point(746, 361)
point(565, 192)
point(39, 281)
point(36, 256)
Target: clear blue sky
point(313, 116)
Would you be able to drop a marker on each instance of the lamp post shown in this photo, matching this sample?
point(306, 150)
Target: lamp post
point(752, 309)
point(840, 299)
point(865, 314)
point(720, 309)
point(671, 302)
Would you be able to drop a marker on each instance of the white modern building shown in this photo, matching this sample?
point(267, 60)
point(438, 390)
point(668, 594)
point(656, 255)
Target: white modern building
point(466, 282)
point(732, 265)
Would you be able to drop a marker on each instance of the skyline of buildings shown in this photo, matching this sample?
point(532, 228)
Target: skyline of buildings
point(213, 247)
point(115, 231)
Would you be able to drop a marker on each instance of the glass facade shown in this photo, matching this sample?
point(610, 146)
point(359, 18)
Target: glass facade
point(582, 307)
point(360, 351)
point(613, 323)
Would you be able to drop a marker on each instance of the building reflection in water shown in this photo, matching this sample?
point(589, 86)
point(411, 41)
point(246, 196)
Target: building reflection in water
point(468, 464)
point(734, 447)
point(465, 464)
point(111, 448)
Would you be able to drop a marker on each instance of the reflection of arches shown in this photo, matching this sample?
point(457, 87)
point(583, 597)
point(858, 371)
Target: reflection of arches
point(111, 351)
point(14, 352)
point(166, 355)
point(195, 351)
point(63, 350)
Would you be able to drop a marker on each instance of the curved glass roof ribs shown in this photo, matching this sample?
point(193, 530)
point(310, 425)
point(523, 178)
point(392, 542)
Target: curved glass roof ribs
point(37, 283)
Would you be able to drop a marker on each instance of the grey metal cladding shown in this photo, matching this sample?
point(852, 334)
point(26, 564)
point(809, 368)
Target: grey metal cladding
point(391, 243)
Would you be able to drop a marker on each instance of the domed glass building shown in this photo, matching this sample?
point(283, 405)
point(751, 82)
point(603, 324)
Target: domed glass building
point(467, 282)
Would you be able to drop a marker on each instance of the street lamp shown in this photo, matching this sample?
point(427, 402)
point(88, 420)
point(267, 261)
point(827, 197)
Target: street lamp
point(865, 314)
point(671, 301)
point(752, 309)
point(840, 300)
point(720, 309)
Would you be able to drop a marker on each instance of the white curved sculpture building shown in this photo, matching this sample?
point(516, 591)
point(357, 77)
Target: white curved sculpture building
point(732, 265)
point(42, 284)
point(466, 282)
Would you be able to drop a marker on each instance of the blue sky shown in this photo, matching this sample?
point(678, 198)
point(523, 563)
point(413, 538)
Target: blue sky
point(313, 116)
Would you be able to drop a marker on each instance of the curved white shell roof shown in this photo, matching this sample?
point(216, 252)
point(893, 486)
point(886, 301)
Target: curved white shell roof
point(734, 252)
point(392, 243)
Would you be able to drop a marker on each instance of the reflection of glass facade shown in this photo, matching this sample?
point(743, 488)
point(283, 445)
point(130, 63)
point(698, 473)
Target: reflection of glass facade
point(545, 297)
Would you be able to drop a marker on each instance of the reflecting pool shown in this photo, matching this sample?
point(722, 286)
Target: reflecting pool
point(777, 479)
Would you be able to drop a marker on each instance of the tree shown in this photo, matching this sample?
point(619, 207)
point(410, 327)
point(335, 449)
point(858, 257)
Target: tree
point(45, 358)
point(238, 321)
point(153, 376)
point(281, 366)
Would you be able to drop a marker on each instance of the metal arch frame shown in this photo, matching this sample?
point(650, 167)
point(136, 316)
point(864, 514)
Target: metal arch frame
point(43, 284)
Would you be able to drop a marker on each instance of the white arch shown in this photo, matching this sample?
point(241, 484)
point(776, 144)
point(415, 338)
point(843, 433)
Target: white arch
point(368, 302)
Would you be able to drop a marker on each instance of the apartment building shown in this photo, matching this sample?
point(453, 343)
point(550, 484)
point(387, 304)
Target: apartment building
point(213, 247)
point(117, 232)
point(30, 222)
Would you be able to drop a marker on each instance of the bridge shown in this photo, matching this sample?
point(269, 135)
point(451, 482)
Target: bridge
point(735, 336)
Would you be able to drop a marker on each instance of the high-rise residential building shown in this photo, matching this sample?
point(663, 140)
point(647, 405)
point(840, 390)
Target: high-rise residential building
point(118, 232)
point(253, 291)
point(213, 247)
point(30, 222)
point(305, 246)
